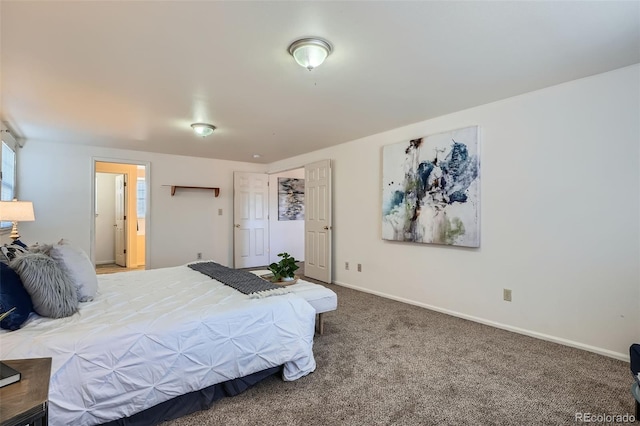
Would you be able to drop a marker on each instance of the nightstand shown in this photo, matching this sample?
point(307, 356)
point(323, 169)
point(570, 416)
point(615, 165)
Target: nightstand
point(27, 401)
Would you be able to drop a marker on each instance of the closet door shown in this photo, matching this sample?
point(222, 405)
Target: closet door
point(251, 219)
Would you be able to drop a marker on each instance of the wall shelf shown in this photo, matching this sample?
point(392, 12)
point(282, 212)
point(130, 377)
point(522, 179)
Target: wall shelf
point(216, 191)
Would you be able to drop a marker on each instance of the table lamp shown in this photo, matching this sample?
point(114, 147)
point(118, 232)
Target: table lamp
point(16, 211)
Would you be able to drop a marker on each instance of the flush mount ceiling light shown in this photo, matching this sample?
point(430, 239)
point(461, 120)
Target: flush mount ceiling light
point(310, 52)
point(203, 129)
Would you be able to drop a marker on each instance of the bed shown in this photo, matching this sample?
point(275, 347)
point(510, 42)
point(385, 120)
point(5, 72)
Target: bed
point(149, 337)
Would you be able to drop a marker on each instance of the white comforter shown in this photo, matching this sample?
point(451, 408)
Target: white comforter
point(151, 335)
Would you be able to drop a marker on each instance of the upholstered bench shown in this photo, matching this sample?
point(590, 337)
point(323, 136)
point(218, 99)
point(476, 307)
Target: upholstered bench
point(321, 298)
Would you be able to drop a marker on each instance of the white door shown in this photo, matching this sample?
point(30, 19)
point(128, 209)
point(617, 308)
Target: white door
point(121, 220)
point(317, 221)
point(251, 219)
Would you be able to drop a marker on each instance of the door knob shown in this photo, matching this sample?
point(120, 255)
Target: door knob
point(237, 225)
point(326, 228)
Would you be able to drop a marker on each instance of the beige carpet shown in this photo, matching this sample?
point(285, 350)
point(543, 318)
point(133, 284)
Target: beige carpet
point(382, 362)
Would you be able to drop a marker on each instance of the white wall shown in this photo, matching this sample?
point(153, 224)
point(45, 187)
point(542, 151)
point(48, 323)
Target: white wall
point(560, 213)
point(559, 217)
point(58, 179)
point(105, 218)
point(284, 235)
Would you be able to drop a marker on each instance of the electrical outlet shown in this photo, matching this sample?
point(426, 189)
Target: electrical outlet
point(346, 266)
point(199, 256)
point(506, 294)
point(219, 212)
point(359, 267)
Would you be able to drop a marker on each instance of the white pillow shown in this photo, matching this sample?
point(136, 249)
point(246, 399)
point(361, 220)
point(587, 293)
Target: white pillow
point(75, 262)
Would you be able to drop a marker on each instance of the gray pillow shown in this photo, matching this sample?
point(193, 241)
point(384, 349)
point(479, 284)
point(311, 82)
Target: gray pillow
point(40, 248)
point(52, 292)
point(77, 265)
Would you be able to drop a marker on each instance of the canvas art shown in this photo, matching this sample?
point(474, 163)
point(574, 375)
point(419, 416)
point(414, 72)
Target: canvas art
point(431, 189)
point(290, 199)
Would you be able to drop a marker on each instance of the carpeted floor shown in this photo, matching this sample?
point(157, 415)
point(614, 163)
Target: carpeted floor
point(382, 362)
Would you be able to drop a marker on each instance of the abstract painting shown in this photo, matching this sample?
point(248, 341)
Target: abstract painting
point(431, 189)
point(290, 199)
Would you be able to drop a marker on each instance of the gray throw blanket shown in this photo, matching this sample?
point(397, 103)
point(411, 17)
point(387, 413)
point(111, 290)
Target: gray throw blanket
point(243, 281)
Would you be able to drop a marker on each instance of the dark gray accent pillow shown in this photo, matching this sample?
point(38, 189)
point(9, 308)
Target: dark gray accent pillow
point(52, 292)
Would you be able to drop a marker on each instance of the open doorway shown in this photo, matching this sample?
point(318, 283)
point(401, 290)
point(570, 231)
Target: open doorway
point(258, 234)
point(120, 216)
point(286, 227)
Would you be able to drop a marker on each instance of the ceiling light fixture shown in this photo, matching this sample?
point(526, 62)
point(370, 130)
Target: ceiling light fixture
point(203, 129)
point(310, 52)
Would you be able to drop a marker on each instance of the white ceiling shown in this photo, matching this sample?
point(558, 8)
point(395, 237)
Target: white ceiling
point(135, 75)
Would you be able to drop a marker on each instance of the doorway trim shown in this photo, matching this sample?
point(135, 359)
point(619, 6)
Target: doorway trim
point(147, 215)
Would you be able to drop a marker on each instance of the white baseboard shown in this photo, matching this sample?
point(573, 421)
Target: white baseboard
point(541, 336)
point(105, 262)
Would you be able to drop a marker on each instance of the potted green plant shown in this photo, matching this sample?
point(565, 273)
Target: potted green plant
point(285, 269)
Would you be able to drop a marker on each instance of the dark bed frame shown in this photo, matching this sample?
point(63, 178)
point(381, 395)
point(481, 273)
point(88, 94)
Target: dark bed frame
point(194, 401)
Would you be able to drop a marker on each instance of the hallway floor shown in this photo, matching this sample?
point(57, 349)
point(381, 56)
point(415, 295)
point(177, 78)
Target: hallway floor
point(111, 268)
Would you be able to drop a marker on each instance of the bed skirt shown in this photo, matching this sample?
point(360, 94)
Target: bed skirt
point(194, 401)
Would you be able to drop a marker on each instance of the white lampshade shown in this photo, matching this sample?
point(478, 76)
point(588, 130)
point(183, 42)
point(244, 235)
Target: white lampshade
point(310, 52)
point(203, 129)
point(16, 211)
